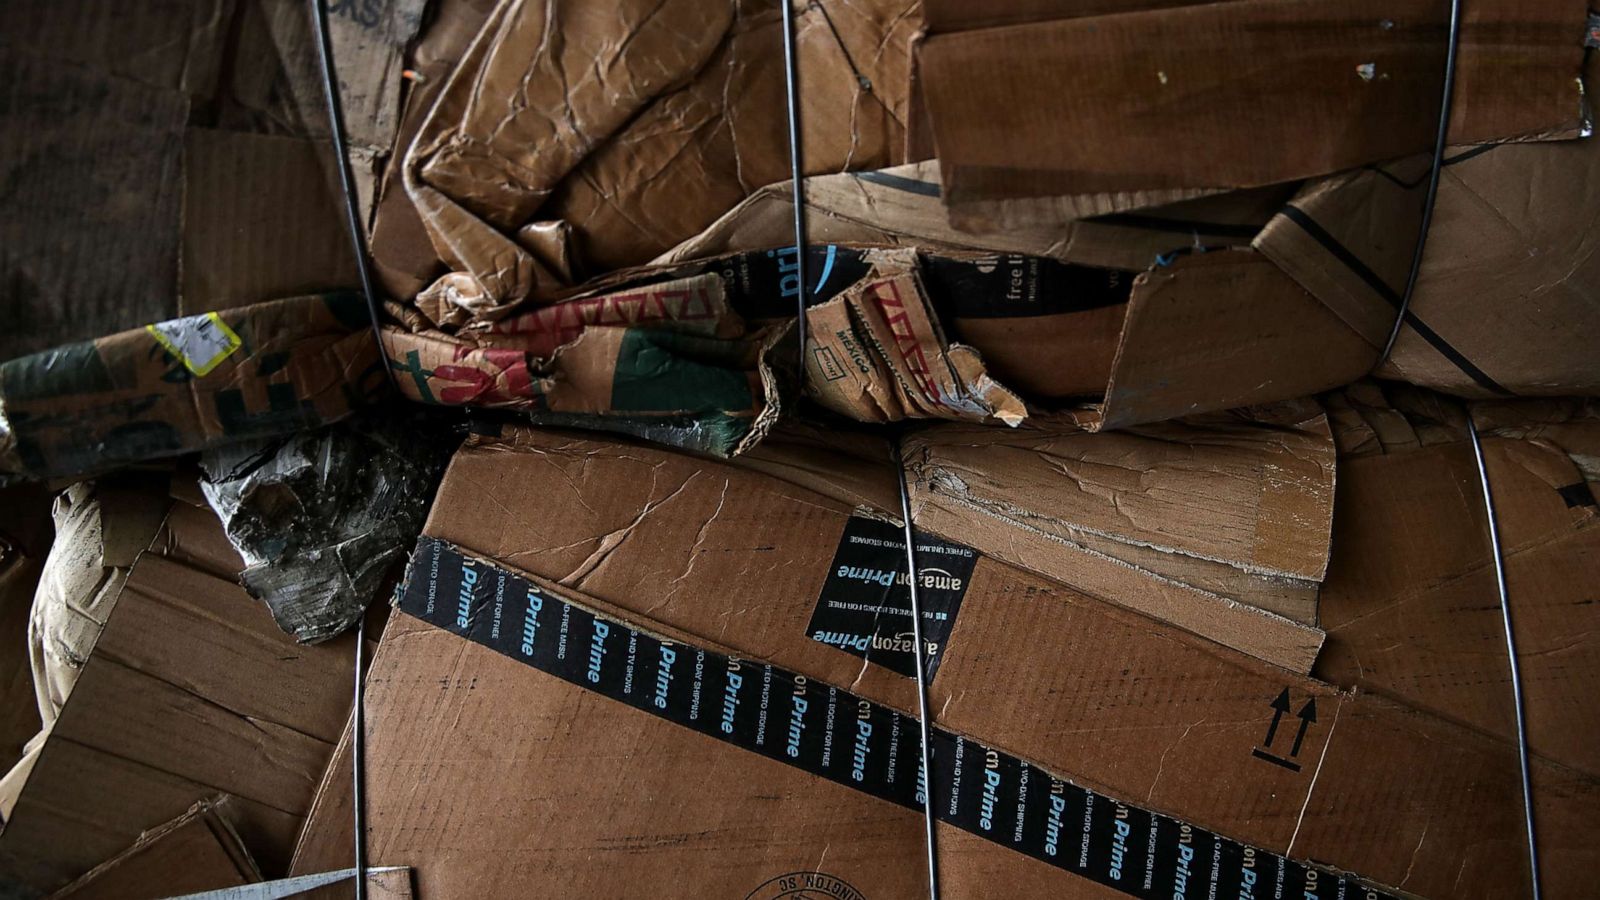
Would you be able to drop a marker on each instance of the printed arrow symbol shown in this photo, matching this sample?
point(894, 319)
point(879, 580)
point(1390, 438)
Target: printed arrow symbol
point(1308, 714)
point(1280, 706)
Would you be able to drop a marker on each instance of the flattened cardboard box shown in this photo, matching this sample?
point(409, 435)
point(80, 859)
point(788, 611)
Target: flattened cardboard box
point(490, 777)
point(1142, 77)
point(191, 690)
point(1410, 599)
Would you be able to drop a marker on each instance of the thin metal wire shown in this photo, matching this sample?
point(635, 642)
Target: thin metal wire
point(924, 722)
point(1511, 653)
point(1445, 103)
point(358, 767)
point(341, 152)
point(792, 95)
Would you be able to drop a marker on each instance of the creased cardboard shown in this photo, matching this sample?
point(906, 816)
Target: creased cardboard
point(671, 360)
point(1221, 330)
point(1505, 301)
point(716, 556)
point(101, 528)
point(1236, 80)
point(187, 384)
point(683, 123)
point(191, 691)
point(876, 354)
point(1410, 603)
point(1217, 524)
point(197, 851)
point(901, 206)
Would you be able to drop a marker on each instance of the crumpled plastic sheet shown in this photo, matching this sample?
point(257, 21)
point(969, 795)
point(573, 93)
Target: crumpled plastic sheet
point(320, 517)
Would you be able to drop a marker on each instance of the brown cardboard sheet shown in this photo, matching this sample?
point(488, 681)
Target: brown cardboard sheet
point(197, 851)
point(1506, 301)
point(191, 691)
point(260, 221)
point(637, 129)
point(1218, 524)
point(1215, 95)
point(1410, 603)
point(901, 206)
point(187, 384)
point(169, 158)
point(486, 775)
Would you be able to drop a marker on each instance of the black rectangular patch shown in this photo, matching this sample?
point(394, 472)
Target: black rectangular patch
point(865, 605)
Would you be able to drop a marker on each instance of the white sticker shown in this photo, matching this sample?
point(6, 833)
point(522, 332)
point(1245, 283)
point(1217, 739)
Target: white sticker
point(199, 342)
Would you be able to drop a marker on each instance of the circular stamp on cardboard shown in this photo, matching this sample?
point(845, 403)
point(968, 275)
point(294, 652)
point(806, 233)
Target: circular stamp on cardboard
point(805, 886)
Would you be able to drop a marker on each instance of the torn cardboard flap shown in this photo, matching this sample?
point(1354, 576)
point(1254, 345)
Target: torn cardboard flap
point(876, 354)
point(668, 545)
point(1218, 524)
point(187, 384)
point(1504, 302)
point(1216, 331)
point(1143, 76)
point(680, 127)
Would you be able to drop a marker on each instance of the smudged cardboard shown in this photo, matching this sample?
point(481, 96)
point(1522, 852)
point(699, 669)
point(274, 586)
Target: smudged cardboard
point(876, 353)
point(197, 851)
point(1410, 603)
point(671, 360)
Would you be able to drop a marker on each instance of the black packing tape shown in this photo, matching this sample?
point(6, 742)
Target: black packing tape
point(850, 740)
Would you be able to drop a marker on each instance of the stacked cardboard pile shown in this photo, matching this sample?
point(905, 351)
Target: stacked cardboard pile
point(1119, 313)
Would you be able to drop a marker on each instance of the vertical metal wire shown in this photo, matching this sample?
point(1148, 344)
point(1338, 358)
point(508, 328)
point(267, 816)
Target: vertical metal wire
point(1445, 103)
point(358, 768)
point(1511, 654)
point(924, 720)
point(341, 153)
point(792, 95)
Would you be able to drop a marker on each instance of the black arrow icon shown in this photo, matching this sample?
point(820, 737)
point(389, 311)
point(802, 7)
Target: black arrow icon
point(1280, 706)
point(1308, 714)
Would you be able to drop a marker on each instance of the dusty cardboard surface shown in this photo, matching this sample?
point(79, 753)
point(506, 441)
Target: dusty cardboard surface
point(1114, 700)
point(901, 206)
point(1218, 524)
point(1140, 77)
point(1505, 302)
point(197, 851)
point(1410, 603)
point(192, 690)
